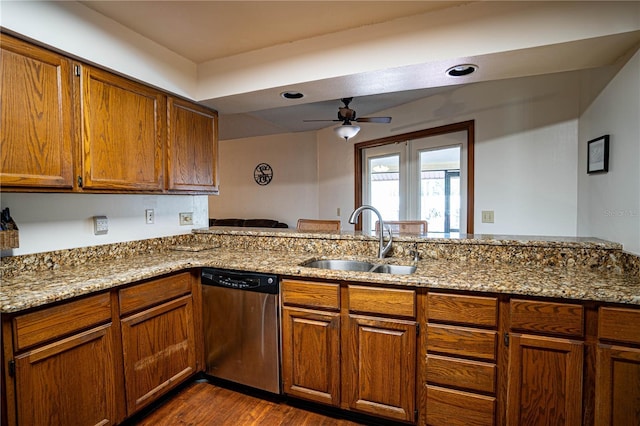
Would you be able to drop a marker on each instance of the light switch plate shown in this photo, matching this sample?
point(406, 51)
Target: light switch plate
point(100, 225)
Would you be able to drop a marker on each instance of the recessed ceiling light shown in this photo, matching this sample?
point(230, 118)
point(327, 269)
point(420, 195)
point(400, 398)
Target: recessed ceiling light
point(461, 70)
point(292, 95)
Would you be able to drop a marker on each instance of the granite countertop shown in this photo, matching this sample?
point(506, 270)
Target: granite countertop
point(31, 289)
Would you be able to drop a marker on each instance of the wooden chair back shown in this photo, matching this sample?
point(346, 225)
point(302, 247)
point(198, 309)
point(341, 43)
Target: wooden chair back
point(405, 226)
point(318, 225)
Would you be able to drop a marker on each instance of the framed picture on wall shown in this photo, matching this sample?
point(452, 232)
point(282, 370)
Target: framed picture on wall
point(598, 155)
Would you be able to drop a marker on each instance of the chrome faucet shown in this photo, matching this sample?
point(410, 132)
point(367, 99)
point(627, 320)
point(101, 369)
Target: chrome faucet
point(354, 217)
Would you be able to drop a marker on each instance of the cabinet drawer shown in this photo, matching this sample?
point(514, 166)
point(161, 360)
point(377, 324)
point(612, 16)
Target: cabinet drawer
point(472, 310)
point(57, 321)
point(619, 324)
point(151, 293)
point(564, 319)
point(462, 341)
point(311, 294)
point(461, 373)
point(456, 408)
point(384, 301)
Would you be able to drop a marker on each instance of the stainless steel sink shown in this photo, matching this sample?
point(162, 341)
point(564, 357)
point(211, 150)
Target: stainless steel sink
point(360, 266)
point(394, 269)
point(341, 265)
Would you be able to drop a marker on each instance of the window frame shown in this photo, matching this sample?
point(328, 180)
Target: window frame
point(468, 126)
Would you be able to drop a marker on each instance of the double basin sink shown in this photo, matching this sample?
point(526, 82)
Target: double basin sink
point(360, 266)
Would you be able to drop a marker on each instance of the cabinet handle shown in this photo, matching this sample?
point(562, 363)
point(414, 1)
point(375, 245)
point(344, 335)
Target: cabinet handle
point(506, 339)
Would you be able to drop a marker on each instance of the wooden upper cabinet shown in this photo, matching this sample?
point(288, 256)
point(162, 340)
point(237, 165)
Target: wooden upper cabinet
point(123, 132)
point(36, 117)
point(192, 147)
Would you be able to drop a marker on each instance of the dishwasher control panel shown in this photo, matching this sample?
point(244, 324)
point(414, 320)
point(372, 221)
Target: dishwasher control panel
point(249, 281)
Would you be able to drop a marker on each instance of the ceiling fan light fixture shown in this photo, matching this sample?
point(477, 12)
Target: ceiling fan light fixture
point(292, 95)
point(347, 131)
point(461, 70)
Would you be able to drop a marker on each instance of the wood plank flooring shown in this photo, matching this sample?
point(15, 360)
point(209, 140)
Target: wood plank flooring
point(202, 403)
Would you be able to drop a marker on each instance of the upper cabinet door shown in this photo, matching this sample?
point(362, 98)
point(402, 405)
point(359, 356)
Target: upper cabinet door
point(36, 117)
point(122, 133)
point(192, 147)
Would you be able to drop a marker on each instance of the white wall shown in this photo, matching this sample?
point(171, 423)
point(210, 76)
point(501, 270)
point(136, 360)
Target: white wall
point(609, 204)
point(525, 151)
point(79, 31)
point(293, 192)
point(62, 221)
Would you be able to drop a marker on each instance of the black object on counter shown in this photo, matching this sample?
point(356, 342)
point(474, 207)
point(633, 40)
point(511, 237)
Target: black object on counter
point(6, 221)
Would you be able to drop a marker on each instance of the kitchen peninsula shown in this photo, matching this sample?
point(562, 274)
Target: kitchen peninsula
point(475, 305)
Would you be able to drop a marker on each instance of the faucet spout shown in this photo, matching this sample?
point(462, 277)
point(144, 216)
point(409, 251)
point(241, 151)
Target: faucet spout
point(383, 249)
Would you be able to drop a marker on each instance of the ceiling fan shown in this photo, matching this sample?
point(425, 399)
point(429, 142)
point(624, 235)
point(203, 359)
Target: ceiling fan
point(345, 114)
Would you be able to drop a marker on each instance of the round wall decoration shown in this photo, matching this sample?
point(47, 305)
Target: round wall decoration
point(263, 173)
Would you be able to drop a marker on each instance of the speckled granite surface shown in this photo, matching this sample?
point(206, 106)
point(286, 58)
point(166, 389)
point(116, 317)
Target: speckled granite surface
point(575, 269)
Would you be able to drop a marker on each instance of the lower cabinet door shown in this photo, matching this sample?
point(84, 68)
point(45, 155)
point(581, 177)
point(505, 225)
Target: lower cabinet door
point(311, 355)
point(545, 381)
point(158, 346)
point(69, 382)
point(381, 356)
point(618, 386)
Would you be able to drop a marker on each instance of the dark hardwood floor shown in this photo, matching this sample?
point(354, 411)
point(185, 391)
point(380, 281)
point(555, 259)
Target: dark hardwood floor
point(203, 403)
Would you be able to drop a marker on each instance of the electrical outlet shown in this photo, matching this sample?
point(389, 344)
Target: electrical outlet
point(186, 218)
point(487, 216)
point(100, 225)
point(149, 216)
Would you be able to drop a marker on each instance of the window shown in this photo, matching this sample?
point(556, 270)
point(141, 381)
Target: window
point(425, 175)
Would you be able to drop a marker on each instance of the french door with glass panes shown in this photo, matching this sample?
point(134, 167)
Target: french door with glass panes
point(420, 179)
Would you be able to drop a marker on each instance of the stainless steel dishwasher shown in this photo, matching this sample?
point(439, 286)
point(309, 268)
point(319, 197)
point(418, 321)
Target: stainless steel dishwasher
point(241, 327)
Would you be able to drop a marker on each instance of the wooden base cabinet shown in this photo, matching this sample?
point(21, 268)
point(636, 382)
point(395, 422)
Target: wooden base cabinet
point(65, 368)
point(99, 359)
point(311, 355)
point(545, 381)
point(311, 340)
point(545, 371)
point(361, 358)
point(618, 367)
point(158, 342)
point(461, 359)
point(68, 382)
point(382, 367)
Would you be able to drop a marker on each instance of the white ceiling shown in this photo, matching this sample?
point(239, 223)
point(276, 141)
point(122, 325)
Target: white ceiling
point(205, 31)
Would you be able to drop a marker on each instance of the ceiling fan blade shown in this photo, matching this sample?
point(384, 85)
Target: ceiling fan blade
point(319, 120)
point(373, 119)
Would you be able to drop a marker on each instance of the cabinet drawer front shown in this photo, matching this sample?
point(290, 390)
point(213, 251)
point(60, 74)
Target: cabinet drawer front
point(462, 341)
point(461, 373)
point(50, 323)
point(562, 319)
point(311, 294)
point(385, 301)
point(618, 324)
point(457, 408)
point(473, 310)
point(154, 292)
